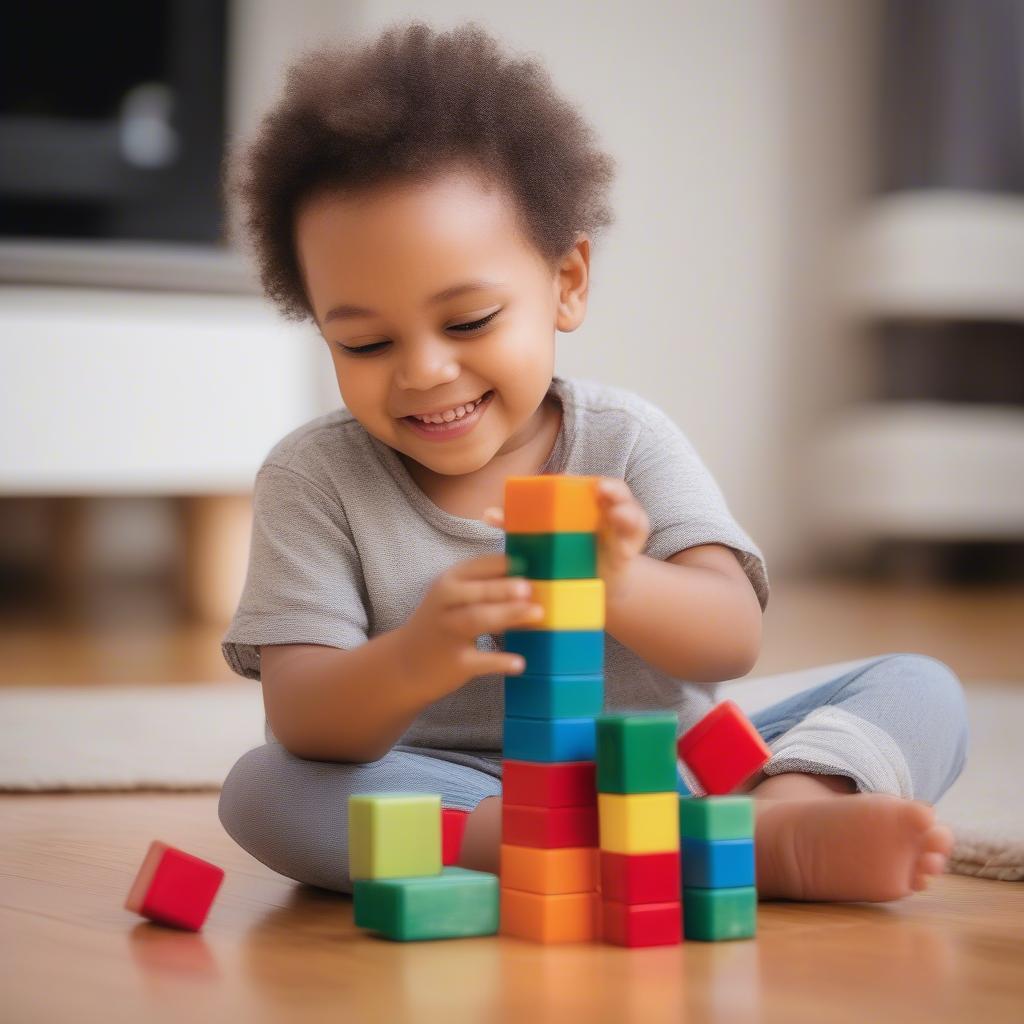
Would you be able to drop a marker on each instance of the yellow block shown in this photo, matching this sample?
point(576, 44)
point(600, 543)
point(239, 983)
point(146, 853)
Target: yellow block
point(638, 822)
point(568, 604)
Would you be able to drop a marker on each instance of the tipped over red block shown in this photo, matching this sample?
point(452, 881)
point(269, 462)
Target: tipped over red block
point(723, 749)
point(173, 887)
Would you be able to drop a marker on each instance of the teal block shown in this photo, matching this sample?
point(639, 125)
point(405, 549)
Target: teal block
point(552, 556)
point(715, 915)
point(636, 753)
point(558, 652)
point(528, 696)
point(716, 817)
point(560, 739)
point(455, 904)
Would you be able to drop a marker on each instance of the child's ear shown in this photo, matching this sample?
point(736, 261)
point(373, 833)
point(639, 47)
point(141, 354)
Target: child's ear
point(573, 282)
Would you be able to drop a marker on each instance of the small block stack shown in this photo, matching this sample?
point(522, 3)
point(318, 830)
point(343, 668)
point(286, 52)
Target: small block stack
point(549, 800)
point(401, 889)
point(717, 832)
point(639, 829)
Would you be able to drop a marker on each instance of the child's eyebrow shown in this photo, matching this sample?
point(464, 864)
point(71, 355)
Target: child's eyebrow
point(346, 312)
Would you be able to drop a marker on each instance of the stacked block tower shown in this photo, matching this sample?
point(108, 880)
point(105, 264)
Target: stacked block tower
point(639, 829)
point(717, 832)
point(549, 864)
point(400, 888)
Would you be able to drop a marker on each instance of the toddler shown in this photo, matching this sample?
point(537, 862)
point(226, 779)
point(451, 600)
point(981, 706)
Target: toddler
point(430, 201)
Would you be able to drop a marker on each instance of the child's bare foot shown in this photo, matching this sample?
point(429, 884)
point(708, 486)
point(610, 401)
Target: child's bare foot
point(864, 846)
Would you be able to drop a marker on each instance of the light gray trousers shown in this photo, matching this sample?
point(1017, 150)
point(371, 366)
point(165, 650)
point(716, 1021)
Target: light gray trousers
point(896, 723)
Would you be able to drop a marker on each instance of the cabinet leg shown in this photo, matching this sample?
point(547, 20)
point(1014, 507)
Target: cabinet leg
point(215, 532)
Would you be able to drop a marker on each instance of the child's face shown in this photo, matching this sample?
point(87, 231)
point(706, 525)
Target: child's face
point(389, 252)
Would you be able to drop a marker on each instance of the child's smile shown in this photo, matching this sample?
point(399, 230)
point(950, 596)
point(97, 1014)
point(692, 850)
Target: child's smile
point(434, 305)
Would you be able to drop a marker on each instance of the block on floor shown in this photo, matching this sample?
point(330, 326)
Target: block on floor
point(457, 903)
point(642, 924)
point(453, 827)
point(714, 915)
point(394, 835)
point(636, 753)
point(570, 917)
point(641, 877)
point(173, 887)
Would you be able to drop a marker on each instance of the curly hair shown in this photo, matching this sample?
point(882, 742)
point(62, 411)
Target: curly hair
point(408, 105)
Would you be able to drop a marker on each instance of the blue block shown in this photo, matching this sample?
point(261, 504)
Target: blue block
point(558, 652)
point(681, 787)
point(560, 739)
point(717, 863)
point(530, 696)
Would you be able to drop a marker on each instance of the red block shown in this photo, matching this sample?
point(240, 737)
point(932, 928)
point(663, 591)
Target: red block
point(173, 887)
point(453, 826)
point(642, 924)
point(641, 877)
point(536, 784)
point(548, 827)
point(723, 749)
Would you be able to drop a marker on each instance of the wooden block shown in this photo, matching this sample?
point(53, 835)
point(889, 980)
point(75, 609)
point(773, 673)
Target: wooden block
point(570, 917)
point(641, 877)
point(456, 903)
point(543, 784)
point(394, 835)
point(714, 915)
point(723, 749)
point(551, 503)
point(574, 652)
point(552, 556)
point(717, 817)
point(551, 872)
point(638, 822)
point(636, 753)
point(568, 604)
point(537, 739)
point(453, 827)
point(717, 863)
point(642, 924)
point(173, 887)
point(548, 826)
point(547, 696)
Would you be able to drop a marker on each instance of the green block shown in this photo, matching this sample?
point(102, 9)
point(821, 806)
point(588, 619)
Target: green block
point(455, 904)
point(552, 556)
point(716, 817)
point(394, 835)
point(636, 753)
point(714, 915)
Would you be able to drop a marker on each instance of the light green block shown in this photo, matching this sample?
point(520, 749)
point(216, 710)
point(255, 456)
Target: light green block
point(455, 904)
point(394, 835)
point(716, 817)
point(715, 915)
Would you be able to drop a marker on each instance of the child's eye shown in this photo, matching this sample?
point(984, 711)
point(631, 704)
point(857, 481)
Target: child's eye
point(375, 346)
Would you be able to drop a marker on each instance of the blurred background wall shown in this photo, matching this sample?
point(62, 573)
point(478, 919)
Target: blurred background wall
point(800, 274)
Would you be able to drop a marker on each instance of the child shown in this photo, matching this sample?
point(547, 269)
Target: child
point(429, 201)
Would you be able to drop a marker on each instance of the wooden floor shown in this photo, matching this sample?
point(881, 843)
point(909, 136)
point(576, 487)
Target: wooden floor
point(273, 951)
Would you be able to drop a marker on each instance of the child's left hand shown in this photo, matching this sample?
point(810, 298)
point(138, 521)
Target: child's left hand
point(622, 532)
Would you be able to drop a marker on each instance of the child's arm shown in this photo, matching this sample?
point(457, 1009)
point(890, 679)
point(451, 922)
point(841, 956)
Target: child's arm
point(332, 704)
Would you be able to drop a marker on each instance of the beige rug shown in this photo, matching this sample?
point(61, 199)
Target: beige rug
point(187, 737)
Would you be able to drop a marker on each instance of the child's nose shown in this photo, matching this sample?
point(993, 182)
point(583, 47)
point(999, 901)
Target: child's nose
point(425, 365)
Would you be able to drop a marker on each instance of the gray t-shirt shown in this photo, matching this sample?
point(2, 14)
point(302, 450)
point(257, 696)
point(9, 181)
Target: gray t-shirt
point(345, 544)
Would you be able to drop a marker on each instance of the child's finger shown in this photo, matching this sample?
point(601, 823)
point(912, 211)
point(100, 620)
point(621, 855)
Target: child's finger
point(508, 588)
point(494, 516)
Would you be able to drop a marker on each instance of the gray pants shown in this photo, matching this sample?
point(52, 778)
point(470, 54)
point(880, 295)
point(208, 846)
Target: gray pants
point(894, 724)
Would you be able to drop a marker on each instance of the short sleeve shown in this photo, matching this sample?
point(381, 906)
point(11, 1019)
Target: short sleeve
point(304, 582)
point(685, 505)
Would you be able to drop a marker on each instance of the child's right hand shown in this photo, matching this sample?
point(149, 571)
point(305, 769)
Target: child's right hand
point(471, 598)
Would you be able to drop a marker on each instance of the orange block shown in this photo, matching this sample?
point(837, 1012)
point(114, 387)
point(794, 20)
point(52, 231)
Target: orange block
point(553, 503)
point(557, 871)
point(571, 917)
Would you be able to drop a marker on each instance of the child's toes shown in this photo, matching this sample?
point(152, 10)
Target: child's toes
point(938, 839)
point(932, 863)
